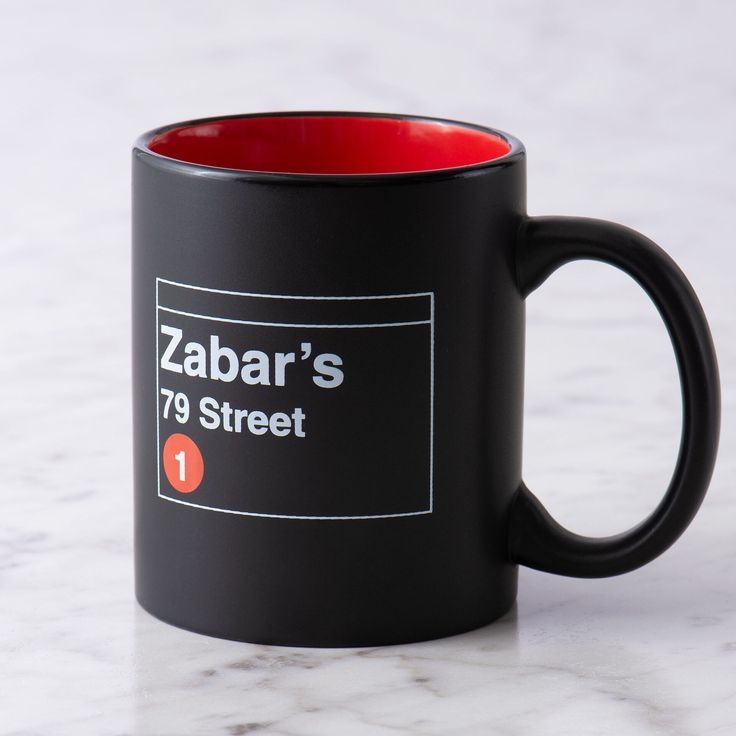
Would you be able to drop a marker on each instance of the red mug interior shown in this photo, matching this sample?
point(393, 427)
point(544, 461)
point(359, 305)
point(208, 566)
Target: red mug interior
point(329, 144)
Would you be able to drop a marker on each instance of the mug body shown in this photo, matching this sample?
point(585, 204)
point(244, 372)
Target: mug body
point(328, 376)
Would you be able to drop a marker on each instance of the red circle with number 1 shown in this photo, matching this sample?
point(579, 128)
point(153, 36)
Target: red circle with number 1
point(183, 463)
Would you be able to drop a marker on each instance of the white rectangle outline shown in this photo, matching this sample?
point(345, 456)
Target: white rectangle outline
point(430, 321)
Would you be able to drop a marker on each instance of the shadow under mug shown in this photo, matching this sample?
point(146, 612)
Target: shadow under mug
point(328, 354)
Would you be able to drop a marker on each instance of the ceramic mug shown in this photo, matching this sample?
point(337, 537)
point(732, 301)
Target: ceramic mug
point(328, 315)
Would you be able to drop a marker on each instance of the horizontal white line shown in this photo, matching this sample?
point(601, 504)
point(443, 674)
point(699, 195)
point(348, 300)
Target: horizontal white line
point(291, 296)
point(284, 324)
point(285, 516)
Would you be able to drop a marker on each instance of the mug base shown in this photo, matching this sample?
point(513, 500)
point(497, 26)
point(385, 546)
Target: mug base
point(337, 643)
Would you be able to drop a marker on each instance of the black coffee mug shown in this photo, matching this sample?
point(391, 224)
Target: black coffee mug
point(328, 314)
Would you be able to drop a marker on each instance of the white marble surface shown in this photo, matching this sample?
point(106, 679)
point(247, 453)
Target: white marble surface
point(628, 111)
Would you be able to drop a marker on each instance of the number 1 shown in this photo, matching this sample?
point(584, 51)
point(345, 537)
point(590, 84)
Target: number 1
point(180, 457)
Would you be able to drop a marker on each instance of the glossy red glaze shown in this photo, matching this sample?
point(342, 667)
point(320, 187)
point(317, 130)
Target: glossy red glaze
point(327, 144)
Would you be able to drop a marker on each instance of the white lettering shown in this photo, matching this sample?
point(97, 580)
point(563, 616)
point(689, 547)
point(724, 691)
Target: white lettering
point(331, 376)
point(257, 422)
point(195, 364)
point(282, 360)
point(208, 407)
point(175, 334)
point(216, 354)
point(214, 415)
point(255, 371)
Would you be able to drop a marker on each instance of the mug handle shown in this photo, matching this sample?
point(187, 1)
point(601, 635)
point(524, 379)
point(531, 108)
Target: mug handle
point(535, 538)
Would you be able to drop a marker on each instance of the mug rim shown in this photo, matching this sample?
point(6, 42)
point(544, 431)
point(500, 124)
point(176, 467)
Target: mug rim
point(142, 149)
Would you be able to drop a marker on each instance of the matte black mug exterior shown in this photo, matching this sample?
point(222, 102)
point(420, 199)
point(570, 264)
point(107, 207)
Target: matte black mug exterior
point(328, 354)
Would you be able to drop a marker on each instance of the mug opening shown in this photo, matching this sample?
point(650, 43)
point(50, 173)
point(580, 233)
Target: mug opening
point(342, 144)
